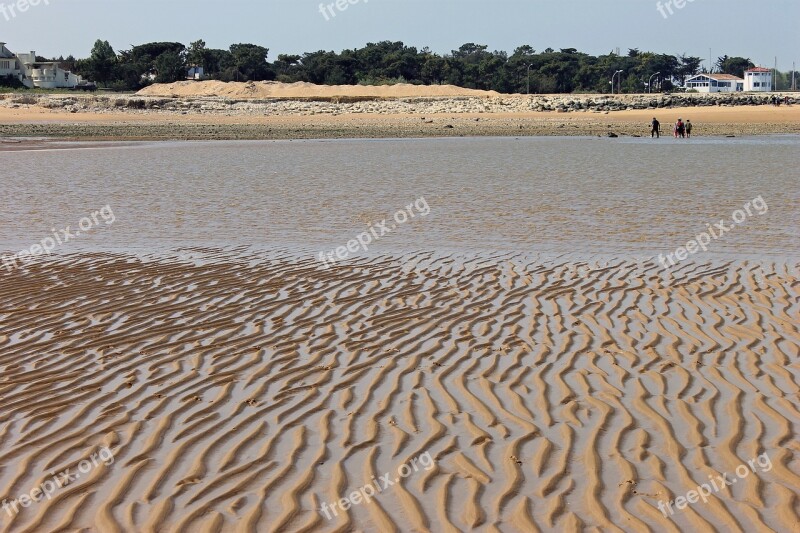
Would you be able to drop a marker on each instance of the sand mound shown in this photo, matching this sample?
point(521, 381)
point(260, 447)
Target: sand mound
point(273, 89)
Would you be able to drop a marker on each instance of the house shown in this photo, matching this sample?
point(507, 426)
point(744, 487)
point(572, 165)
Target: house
point(32, 73)
point(715, 83)
point(9, 64)
point(758, 79)
point(195, 73)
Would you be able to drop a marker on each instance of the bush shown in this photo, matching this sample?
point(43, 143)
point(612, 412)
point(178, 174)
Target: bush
point(369, 80)
point(11, 81)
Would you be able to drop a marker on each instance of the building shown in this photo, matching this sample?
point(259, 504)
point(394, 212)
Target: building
point(9, 64)
point(32, 73)
point(195, 73)
point(758, 79)
point(715, 83)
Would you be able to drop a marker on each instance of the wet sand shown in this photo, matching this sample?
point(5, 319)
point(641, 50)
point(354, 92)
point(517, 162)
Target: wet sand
point(243, 394)
point(556, 380)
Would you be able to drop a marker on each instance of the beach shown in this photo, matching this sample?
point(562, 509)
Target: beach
point(213, 111)
point(452, 334)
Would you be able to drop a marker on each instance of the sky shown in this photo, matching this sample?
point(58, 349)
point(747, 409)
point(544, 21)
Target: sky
point(759, 30)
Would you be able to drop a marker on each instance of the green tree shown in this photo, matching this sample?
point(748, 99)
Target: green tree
point(689, 66)
point(250, 61)
point(197, 55)
point(170, 67)
point(102, 62)
point(733, 65)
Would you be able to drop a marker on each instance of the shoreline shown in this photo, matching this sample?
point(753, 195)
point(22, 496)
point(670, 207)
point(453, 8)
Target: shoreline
point(134, 118)
point(624, 124)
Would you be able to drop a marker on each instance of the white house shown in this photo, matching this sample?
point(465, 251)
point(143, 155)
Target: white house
point(45, 74)
point(195, 73)
point(9, 64)
point(715, 83)
point(758, 79)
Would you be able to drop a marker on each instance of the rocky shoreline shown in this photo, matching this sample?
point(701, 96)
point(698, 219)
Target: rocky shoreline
point(136, 117)
point(349, 105)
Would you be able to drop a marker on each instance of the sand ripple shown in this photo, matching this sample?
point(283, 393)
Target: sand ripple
point(240, 394)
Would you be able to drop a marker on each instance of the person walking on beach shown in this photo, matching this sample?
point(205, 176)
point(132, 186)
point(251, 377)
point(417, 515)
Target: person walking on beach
point(680, 129)
point(688, 128)
point(656, 131)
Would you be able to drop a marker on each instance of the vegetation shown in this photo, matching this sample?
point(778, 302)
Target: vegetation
point(472, 66)
point(10, 81)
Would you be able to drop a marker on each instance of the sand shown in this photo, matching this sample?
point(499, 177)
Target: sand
point(251, 391)
point(243, 394)
point(273, 89)
point(271, 110)
point(147, 125)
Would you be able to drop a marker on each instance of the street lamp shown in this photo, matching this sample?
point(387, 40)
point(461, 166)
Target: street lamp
point(650, 82)
point(612, 81)
point(529, 78)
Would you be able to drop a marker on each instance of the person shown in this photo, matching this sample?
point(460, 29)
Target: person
point(680, 129)
point(688, 128)
point(656, 131)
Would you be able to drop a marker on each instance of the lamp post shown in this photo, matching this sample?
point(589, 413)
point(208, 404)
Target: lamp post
point(529, 78)
point(650, 82)
point(612, 81)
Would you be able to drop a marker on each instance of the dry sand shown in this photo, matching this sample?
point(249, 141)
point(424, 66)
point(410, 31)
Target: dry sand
point(270, 110)
point(38, 122)
point(241, 395)
point(272, 89)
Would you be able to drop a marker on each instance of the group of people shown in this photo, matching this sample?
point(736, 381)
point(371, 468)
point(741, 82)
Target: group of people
point(776, 100)
point(681, 129)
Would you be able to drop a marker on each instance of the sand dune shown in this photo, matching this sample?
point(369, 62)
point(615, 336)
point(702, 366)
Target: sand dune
point(274, 89)
point(243, 393)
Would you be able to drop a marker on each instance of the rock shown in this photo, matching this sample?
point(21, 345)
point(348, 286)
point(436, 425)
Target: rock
point(612, 135)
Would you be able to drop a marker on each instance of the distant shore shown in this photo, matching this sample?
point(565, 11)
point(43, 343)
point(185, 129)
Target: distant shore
point(141, 117)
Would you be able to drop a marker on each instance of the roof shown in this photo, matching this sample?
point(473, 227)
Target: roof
point(758, 69)
point(718, 77)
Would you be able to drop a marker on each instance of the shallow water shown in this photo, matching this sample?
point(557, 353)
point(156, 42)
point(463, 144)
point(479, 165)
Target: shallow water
point(558, 195)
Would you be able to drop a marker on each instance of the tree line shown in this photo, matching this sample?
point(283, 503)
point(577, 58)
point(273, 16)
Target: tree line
point(472, 66)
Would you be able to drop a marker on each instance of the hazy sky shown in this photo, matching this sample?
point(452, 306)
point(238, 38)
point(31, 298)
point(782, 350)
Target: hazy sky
point(758, 30)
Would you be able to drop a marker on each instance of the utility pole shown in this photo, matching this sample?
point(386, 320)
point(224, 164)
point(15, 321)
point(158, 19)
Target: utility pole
point(529, 78)
point(794, 85)
point(775, 76)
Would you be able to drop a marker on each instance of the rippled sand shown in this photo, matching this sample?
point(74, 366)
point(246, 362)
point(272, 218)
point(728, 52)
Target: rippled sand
point(513, 340)
point(242, 393)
